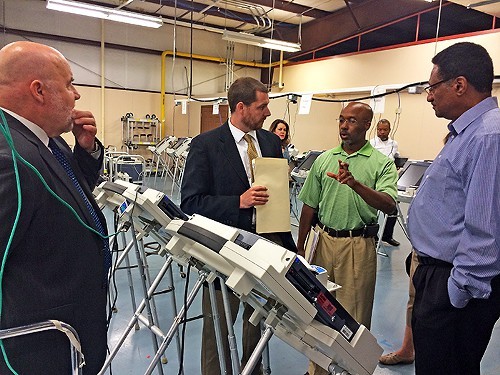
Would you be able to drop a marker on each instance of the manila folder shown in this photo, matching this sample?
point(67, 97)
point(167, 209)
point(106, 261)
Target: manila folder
point(274, 216)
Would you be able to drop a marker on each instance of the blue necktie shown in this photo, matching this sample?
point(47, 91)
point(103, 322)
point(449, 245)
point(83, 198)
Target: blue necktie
point(56, 151)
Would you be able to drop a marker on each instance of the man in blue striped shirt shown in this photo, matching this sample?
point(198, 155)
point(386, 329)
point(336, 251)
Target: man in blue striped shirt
point(454, 220)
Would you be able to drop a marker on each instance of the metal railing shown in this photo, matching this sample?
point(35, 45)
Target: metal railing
point(77, 360)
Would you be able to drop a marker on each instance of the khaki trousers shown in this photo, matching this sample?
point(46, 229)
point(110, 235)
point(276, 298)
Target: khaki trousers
point(352, 263)
point(411, 291)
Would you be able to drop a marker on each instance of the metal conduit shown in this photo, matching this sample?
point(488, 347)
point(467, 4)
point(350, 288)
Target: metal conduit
point(164, 54)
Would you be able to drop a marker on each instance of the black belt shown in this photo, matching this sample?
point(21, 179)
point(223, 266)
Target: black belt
point(366, 231)
point(428, 261)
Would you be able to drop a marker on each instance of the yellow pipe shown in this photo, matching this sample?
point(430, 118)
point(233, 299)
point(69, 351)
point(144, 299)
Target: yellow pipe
point(204, 58)
point(162, 98)
point(280, 83)
point(219, 59)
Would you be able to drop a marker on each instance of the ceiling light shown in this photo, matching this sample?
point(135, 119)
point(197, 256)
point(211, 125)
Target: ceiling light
point(259, 41)
point(97, 11)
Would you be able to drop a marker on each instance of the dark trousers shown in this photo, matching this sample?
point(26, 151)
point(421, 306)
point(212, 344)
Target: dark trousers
point(250, 337)
point(389, 227)
point(449, 340)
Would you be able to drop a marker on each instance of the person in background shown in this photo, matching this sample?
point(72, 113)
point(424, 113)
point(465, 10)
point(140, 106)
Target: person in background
point(346, 186)
point(454, 219)
point(55, 268)
point(389, 148)
point(382, 142)
point(282, 130)
point(217, 184)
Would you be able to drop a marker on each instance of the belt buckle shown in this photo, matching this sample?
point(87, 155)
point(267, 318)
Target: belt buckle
point(350, 233)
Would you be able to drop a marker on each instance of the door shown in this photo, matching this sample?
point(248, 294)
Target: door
point(210, 121)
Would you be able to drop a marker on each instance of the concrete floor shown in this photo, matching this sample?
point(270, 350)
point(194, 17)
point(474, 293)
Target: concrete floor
point(137, 350)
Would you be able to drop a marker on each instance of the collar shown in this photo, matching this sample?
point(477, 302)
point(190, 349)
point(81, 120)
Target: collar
point(366, 150)
point(466, 118)
point(239, 134)
point(35, 129)
point(378, 140)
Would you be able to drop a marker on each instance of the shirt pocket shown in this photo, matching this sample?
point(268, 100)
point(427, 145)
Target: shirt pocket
point(437, 178)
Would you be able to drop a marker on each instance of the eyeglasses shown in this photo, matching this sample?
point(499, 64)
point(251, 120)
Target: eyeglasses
point(350, 120)
point(430, 89)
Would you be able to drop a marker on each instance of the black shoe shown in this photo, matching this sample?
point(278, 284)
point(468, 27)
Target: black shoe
point(391, 241)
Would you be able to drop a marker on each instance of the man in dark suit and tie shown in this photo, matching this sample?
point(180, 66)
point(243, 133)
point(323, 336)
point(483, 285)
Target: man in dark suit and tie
point(217, 184)
point(55, 268)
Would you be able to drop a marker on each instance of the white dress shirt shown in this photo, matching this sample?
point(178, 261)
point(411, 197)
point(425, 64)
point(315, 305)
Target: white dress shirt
point(389, 148)
point(242, 146)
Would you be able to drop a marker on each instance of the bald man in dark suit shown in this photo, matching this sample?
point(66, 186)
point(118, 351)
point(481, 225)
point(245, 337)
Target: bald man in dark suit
point(54, 268)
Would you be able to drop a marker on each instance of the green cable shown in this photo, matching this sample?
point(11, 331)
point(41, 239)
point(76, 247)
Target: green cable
point(47, 187)
point(64, 203)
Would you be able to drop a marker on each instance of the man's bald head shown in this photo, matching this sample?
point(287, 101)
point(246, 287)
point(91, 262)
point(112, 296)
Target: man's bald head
point(36, 83)
point(21, 62)
point(365, 112)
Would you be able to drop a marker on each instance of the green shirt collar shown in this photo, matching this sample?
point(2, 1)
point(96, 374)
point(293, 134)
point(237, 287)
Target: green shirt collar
point(366, 150)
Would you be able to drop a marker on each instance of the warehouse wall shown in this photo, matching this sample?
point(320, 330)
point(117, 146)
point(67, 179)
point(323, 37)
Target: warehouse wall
point(419, 133)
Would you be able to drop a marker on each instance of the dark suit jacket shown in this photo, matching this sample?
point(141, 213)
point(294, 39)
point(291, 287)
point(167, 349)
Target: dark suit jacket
point(214, 178)
point(54, 268)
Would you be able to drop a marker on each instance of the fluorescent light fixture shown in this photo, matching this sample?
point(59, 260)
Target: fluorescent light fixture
point(259, 41)
point(98, 11)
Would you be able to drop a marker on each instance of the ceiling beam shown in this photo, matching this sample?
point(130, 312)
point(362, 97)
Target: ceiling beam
point(341, 24)
point(215, 11)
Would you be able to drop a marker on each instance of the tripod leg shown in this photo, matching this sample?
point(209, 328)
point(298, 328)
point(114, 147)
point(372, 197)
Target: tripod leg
point(175, 325)
point(218, 334)
point(381, 233)
point(233, 346)
point(254, 358)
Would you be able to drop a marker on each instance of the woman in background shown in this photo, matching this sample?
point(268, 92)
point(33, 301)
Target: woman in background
point(282, 130)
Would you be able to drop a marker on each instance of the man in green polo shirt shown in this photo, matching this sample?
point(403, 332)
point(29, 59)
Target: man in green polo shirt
point(346, 186)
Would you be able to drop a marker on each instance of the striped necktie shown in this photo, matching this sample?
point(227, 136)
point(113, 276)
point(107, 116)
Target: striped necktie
point(56, 151)
point(251, 151)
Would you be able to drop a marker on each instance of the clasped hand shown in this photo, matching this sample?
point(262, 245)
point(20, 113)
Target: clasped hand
point(343, 176)
point(84, 129)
